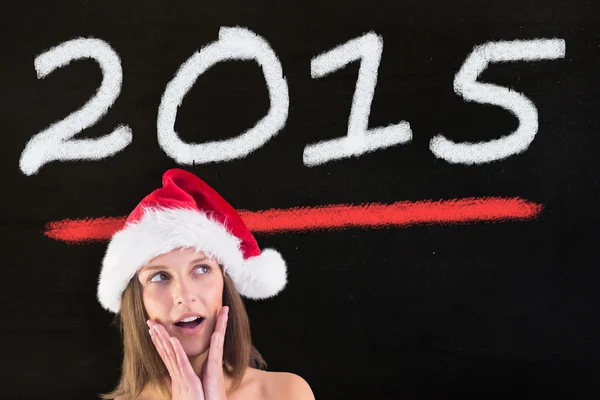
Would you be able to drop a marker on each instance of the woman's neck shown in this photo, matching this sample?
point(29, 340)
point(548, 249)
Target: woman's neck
point(198, 363)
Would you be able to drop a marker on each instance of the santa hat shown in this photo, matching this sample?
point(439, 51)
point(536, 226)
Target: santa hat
point(186, 212)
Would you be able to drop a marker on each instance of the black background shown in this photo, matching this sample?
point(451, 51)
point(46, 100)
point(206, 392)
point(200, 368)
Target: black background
point(430, 311)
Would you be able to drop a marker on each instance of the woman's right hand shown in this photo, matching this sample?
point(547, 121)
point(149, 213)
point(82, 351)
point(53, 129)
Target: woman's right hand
point(185, 384)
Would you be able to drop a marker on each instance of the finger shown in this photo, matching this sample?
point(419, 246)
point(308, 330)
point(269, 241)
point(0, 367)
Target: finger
point(215, 350)
point(215, 353)
point(165, 340)
point(164, 345)
point(158, 344)
point(211, 370)
point(169, 361)
point(224, 330)
point(160, 348)
point(222, 319)
point(213, 378)
point(183, 362)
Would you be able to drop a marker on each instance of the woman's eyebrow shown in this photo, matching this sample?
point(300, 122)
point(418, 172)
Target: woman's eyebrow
point(151, 268)
point(197, 260)
point(155, 267)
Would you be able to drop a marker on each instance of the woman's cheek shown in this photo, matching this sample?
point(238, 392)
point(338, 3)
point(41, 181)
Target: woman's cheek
point(214, 297)
point(155, 302)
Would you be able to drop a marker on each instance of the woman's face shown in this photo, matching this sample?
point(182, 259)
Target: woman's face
point(181, 283)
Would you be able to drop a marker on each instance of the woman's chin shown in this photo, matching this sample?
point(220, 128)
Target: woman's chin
point(194, 349)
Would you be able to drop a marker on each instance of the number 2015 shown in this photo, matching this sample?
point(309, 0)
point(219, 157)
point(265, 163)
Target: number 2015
point(237, 43)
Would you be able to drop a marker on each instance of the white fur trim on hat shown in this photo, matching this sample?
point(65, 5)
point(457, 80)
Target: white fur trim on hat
point(162, 230)
point(262, 276)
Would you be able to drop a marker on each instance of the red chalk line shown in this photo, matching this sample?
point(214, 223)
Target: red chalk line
point(339, 216)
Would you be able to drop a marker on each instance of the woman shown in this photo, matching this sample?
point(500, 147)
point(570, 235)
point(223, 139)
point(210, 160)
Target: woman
point(174, 274)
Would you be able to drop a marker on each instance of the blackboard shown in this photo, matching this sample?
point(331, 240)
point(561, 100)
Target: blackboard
point(448, 246)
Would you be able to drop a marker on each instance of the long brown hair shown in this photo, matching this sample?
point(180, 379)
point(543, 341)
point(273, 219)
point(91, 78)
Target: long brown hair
point(142, 364)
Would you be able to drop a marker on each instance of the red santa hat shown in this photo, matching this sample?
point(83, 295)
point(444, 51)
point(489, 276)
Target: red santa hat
point(186, 212)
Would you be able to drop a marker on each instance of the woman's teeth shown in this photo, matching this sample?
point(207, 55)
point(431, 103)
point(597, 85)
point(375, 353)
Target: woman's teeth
point(190, 322)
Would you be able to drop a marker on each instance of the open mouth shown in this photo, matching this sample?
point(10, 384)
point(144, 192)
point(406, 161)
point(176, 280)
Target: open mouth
point(190, 323)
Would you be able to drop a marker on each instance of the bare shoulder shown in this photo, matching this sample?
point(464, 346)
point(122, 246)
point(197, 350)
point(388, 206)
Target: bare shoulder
point(284, 385)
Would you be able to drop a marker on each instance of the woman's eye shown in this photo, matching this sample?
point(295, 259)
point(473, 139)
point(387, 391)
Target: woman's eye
point(159, 274)
point(203, 269)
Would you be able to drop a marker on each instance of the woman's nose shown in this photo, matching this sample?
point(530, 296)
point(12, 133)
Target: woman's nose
point(183, 293)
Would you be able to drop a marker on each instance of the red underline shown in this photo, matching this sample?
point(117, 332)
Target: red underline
point(331, 217)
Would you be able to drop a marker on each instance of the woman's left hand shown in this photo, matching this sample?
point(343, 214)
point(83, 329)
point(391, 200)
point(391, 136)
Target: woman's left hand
point(212, 378)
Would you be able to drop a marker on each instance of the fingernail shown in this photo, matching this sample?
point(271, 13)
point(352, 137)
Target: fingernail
point(148, 323)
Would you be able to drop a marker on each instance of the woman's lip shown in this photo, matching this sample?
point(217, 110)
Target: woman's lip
point(187, 315)
point(190, 331)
